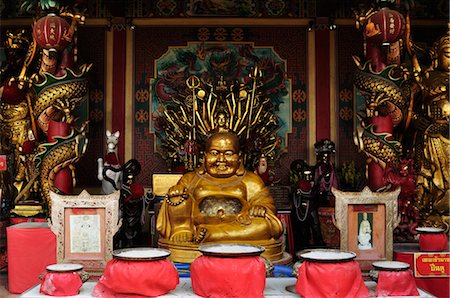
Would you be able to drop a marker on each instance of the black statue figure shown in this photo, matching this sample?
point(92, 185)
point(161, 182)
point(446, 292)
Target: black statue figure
point(325, 173)
point(132, 205)
point(306, 218)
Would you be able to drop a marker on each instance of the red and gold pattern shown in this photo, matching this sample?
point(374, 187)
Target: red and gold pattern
point(346, 113)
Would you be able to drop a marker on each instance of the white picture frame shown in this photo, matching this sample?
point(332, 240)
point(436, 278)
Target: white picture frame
point(84, 226)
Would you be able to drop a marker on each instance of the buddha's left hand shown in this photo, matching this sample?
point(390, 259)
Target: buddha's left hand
point(257, 211)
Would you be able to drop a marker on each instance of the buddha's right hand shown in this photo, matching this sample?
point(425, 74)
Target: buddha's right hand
point(176, 195)
point(177, 191)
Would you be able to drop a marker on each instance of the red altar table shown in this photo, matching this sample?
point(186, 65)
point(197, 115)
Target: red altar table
point(438, 286)
point(31, 248)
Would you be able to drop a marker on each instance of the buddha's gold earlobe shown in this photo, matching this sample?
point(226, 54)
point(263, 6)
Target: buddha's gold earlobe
point(241, 170)
point(202, 169)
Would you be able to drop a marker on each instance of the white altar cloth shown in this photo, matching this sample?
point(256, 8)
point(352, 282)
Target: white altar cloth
point(275, 288)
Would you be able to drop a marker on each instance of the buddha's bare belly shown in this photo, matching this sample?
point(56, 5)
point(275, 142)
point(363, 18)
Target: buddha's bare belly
point(218, 209)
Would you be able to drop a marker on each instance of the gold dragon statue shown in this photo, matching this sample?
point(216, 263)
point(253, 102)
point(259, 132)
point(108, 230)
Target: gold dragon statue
point(404, 105)
point(38, 110)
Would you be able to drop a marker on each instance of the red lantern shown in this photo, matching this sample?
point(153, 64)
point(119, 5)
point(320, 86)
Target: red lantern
point(51, 31)
point(385, 27)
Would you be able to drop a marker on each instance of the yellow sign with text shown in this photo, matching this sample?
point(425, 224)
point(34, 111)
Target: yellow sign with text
point(162, 182)
point(432, 264)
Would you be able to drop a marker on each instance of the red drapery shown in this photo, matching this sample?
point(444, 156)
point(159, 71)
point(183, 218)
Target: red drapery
point(228, 277)
point(136, 279)
point(330, 280)
point(400, 283)
point(61, 284)
point(433, 242)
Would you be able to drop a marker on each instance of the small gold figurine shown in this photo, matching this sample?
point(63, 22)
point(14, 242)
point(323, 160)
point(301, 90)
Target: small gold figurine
point(220, 202)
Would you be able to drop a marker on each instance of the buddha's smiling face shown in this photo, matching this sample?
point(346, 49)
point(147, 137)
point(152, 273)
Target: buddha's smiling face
point(222, 158)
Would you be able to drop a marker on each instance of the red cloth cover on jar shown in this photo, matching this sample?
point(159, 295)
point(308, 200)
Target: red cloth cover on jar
point(228, 277)
point(396, 283)
point(61, 284)
point(330, 280)
point(146, 278)
point(433, 242)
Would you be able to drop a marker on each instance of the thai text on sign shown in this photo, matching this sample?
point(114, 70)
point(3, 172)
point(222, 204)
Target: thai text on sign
point(432, 264)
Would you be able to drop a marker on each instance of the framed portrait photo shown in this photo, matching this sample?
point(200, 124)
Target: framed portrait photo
point(366, 224)
point(85, 226)
point(366, 221)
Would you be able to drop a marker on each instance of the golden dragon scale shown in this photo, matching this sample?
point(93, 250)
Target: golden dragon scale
point(56, 156)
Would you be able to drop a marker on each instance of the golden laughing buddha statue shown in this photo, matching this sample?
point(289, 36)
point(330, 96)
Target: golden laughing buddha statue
point(219, 203)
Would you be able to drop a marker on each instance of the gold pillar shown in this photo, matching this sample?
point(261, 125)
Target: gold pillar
point(334, 93)
point(311, 101)
point(129, 95)
point(109, 79)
